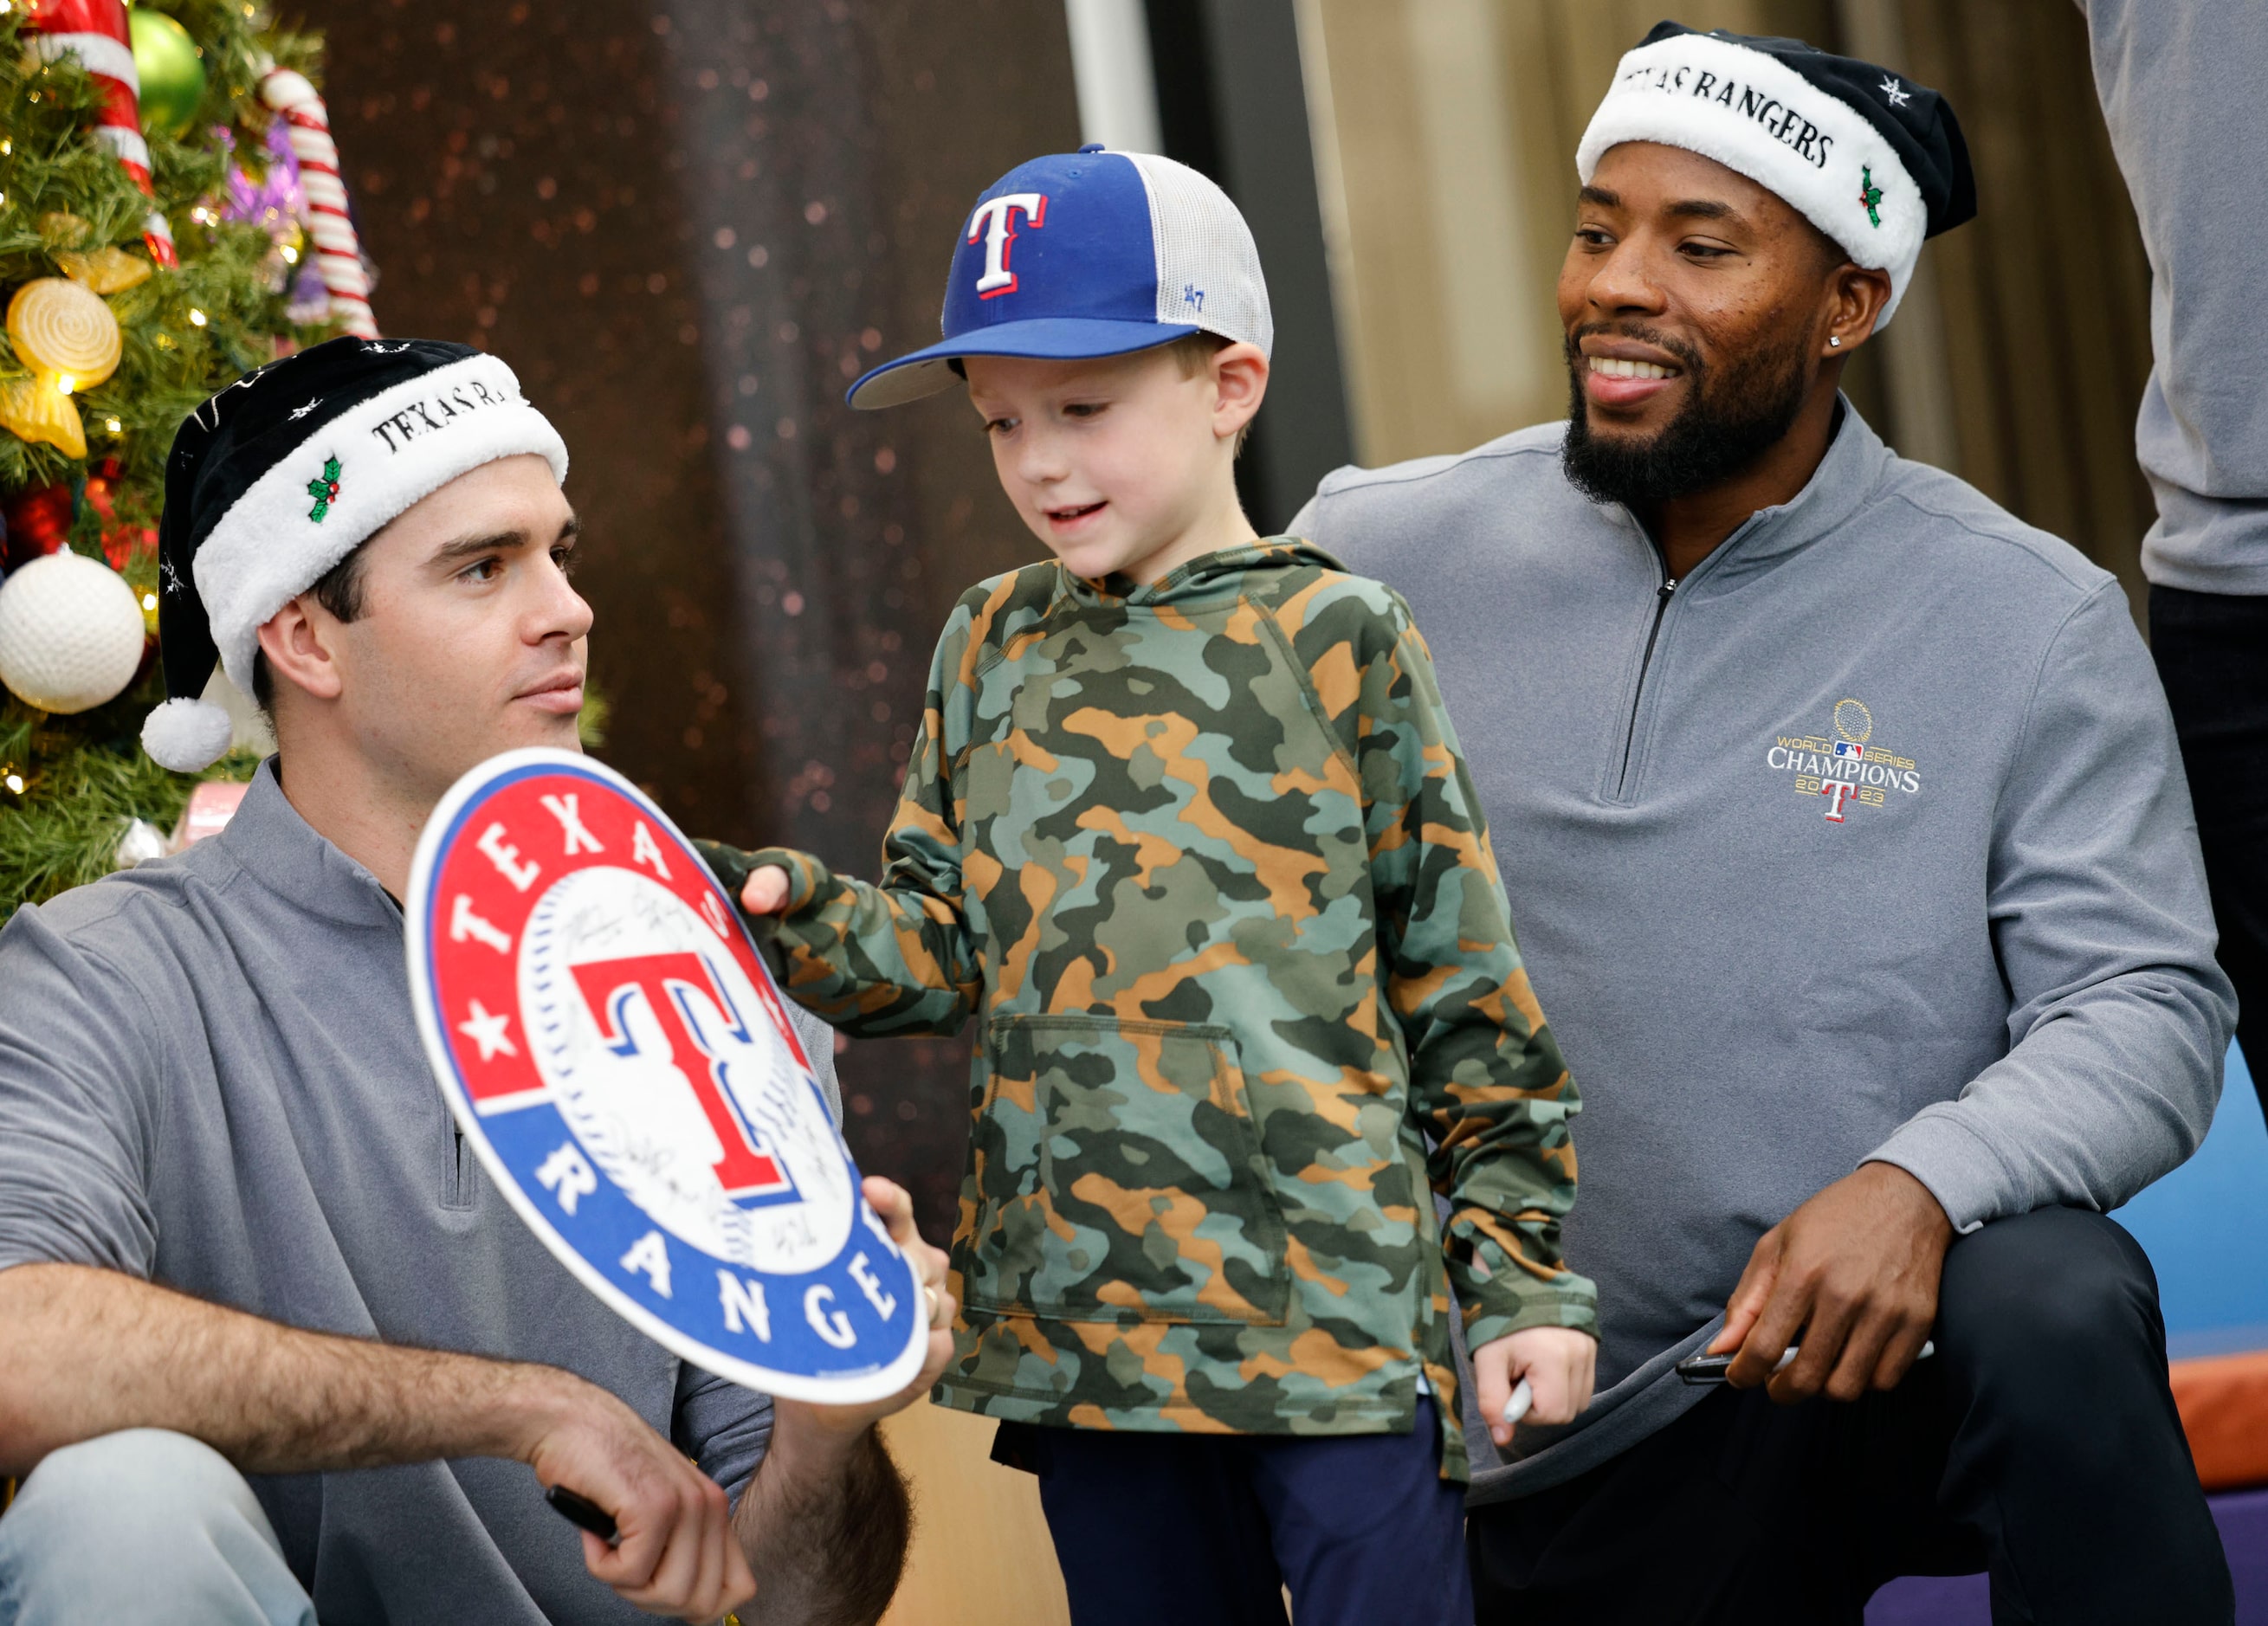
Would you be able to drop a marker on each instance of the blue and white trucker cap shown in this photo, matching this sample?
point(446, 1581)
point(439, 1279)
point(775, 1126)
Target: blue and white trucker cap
point(1088, 254)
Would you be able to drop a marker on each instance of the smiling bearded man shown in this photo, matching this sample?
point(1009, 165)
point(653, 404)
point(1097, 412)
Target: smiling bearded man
point(1852, 855)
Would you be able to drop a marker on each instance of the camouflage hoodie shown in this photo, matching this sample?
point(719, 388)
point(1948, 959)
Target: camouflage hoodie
point(1205, 860)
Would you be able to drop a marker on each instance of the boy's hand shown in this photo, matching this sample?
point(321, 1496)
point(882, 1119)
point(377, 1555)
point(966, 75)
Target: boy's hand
point(766, 891)
point(1558, 1363)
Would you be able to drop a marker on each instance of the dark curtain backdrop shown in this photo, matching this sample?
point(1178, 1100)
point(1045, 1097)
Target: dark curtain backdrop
point(688, 225)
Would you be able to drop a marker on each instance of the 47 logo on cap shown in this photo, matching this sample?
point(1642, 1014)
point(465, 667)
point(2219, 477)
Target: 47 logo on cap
point(615, 1049)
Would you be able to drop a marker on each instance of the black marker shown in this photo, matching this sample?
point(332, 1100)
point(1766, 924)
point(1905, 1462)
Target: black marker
point(583, 1512)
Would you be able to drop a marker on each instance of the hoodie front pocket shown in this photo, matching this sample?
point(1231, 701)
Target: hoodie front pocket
point(1119, 1177)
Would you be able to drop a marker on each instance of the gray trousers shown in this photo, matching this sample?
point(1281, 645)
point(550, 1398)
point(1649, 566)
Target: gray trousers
point(142, 1524)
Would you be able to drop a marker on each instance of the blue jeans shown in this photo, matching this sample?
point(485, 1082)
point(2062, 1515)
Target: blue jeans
point(142, 1524)
point(1209, 1529)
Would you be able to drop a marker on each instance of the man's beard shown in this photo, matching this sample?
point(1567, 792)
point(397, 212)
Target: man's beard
point(1729, 420)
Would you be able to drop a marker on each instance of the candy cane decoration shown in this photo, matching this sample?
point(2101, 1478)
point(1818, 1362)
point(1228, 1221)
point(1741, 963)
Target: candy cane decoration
point(95, 32)
point(338, 252)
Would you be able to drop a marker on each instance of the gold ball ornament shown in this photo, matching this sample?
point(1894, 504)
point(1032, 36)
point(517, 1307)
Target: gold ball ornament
point(71, 633)
point(172, 71)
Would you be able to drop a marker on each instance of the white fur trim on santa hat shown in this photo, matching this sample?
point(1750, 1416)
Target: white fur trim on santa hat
point(401, 446)
point(187, 736)
point(1754, 113)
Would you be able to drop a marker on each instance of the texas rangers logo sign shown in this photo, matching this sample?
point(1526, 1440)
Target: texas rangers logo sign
point(616, 1053)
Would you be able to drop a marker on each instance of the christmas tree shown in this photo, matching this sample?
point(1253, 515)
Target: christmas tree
point(139, 277)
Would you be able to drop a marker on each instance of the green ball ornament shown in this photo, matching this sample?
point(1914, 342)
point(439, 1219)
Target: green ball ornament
point(172, 71)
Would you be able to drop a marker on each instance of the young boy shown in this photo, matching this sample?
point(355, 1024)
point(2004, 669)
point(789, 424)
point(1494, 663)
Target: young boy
point(1187, 830)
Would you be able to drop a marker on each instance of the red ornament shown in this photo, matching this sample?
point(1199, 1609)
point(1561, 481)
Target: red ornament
point(96, 31)
point(120, 542)
point(39, 523)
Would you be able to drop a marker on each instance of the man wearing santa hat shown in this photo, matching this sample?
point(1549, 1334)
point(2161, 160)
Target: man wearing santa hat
point(270, 1347)
point(1858, 872)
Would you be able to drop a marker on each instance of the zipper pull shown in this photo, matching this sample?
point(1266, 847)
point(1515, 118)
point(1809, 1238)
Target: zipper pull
point(1669, 585)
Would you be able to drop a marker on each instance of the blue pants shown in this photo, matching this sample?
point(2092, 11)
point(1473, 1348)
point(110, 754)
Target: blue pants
point(142, 1524)
point(1208, 1530)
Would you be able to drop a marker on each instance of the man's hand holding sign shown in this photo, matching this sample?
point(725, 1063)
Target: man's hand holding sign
point(678, 1548)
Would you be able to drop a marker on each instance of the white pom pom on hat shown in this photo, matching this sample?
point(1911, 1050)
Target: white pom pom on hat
point(188, 736)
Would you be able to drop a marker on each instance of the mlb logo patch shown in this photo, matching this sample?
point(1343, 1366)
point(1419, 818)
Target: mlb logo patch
point(614, 1048)
point(1849, 748)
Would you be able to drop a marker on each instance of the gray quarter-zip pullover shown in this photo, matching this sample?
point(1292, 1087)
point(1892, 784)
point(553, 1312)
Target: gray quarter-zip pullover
point(210, 1077)
point(1869, 840)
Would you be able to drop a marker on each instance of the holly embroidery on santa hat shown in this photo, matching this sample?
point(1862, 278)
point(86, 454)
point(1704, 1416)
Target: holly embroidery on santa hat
point(324, 490)
point(1869, 195)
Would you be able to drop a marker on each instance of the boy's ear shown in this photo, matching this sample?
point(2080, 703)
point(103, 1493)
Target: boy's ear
point(298, 645)
point(1239, 376)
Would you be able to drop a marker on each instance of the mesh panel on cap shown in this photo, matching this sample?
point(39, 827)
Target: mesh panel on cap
point(1208, 270)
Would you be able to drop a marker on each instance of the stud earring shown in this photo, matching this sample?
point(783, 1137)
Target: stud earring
point(1835, 340)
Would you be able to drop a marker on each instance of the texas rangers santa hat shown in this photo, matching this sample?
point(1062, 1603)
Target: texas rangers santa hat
point(285, 472)
point(1873, 160)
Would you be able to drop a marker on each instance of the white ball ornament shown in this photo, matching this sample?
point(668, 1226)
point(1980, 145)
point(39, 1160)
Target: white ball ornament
point(71, 633)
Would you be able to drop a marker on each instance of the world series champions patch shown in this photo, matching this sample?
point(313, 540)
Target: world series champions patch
point(615, 1051)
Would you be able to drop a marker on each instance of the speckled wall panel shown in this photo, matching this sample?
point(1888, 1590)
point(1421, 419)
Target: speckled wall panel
point(686, 223)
